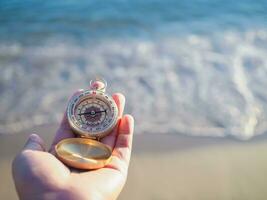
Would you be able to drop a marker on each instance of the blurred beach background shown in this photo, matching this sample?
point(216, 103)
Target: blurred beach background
point(194, 73)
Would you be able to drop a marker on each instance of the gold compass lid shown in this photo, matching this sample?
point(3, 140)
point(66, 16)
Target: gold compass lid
point(83, 153)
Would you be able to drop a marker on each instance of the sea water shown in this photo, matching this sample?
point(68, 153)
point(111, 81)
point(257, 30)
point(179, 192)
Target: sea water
point(195, 67)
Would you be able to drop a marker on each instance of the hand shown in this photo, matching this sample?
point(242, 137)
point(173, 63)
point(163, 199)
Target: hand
point(39, 175)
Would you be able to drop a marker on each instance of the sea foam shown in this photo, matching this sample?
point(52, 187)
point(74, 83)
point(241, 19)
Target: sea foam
point(205, 85)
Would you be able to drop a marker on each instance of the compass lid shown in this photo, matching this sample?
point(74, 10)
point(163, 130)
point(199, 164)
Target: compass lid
point(83, 153)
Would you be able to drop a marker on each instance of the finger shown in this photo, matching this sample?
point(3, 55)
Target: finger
point(64, 131)
point(123, 146)
point(111, 138)
point(120, 102)
point(34, 143)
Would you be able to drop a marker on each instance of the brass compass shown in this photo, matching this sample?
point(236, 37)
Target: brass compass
point(92, 114)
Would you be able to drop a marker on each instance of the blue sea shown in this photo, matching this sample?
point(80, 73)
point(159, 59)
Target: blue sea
point(194, 67)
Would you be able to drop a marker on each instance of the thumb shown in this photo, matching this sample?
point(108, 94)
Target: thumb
point(34, 143)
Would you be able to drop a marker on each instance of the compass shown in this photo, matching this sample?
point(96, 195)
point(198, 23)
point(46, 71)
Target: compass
point(92, 115)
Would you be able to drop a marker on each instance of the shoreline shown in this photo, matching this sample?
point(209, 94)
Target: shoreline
point(142, 143)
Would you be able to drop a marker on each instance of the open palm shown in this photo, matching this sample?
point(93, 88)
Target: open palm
point(38, 174)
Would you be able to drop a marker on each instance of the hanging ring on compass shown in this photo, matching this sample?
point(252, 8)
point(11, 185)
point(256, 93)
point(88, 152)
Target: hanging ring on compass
point(99, 84)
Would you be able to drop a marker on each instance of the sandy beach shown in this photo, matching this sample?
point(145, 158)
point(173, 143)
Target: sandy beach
point(174, 167)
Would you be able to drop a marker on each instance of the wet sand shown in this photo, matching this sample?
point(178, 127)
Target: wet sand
point(173, 167)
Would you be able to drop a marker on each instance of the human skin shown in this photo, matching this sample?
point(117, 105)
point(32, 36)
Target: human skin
point(39, 175)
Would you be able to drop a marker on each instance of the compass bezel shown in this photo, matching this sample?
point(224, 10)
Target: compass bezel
point(75, 125)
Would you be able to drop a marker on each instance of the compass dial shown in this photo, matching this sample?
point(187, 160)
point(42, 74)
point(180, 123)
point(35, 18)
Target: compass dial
point(92, 114)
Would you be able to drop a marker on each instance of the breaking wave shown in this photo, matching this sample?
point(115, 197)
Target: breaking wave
point(206, 85)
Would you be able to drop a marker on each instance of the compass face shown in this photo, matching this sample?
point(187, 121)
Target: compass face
point(92, 114)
